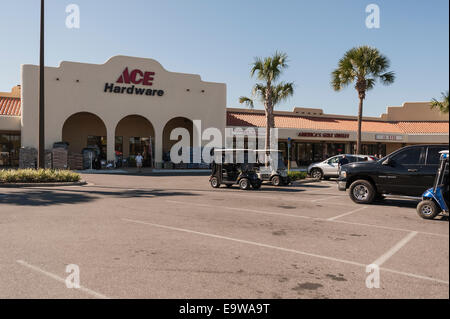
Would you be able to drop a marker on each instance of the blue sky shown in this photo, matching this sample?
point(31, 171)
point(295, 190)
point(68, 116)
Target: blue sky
point(219, 39)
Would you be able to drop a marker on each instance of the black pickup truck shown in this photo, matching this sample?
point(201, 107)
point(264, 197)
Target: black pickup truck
point(409, 171)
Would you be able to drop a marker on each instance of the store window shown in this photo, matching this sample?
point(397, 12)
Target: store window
point(98, 142)
point(374, 149)
point(9, 149)
point(143, 146)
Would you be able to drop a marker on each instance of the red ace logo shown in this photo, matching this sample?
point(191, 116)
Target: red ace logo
point(136, 77)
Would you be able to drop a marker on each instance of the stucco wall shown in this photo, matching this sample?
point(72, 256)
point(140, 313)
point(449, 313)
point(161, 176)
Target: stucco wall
point(78, 87)
point(10, 123)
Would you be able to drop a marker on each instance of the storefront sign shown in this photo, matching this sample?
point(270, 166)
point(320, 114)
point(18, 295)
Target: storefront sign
point(324, 135)
point(135, 77)
point(384, 137)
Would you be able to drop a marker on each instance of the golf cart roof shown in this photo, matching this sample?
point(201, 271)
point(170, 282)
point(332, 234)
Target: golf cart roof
point(242, 150)
point(233, 150)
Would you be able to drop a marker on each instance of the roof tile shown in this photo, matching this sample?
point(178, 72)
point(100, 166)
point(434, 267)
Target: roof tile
point(335, 124)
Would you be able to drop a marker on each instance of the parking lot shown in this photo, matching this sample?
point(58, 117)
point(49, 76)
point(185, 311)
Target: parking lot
point(176, 237)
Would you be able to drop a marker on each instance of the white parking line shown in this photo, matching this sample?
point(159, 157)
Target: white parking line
point(239, 209)
point(346, 214)
point(57, 278)
point(242, 241)
point(391, 252)
point(332, 219)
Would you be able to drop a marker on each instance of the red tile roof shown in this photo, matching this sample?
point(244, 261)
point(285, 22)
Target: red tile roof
point(10, 106)
point(335, 124)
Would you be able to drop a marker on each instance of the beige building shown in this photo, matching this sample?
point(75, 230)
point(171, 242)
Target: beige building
point(126, 106)
point(131, 105)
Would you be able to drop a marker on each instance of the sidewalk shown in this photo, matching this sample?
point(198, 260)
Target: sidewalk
point(148, 171)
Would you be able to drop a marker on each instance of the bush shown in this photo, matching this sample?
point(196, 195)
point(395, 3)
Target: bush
point(38, 176)
point(296, 175)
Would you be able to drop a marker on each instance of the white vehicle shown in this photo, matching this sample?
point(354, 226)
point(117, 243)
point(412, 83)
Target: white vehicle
point(278, 176)
point(330, 167)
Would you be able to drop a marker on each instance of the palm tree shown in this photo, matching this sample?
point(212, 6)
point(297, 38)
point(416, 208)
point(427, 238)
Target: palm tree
point(441, 105)
point(363, 66)
point(268, 70)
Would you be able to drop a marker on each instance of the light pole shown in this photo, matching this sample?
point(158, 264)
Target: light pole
point(41, 150)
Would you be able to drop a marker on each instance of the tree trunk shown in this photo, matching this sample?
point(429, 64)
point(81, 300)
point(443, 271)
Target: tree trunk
point(268, 105)
point(358, 135)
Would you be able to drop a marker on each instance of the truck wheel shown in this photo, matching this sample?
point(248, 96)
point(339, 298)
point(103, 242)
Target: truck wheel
point(362, 192)
point(276, 181)
point(244, 184)
point(317, 173)
point(214, 182)
point(427, 209)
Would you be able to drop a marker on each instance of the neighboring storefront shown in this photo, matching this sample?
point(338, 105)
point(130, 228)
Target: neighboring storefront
point(308, 135)
point(130, 105)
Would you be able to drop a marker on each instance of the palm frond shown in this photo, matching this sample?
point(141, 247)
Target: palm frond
point(247, 101)
point(442, 106)
point(362, 63)
point(282, 92)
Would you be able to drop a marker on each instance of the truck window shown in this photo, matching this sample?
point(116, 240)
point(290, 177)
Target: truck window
point(433, 156)
point(410, 156)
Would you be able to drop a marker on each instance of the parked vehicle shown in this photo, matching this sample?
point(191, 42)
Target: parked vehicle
point(408, 171)
point(243, 174)
point(330, 167)
point(435, 200)
point(278, 175)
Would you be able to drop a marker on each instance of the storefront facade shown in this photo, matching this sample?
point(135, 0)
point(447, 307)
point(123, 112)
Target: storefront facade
point(308, 135)
point(131, 105)
point(123, 107)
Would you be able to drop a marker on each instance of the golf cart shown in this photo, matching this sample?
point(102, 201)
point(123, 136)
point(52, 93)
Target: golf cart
point(229, 172)
point(276, 175)
point(435, 200)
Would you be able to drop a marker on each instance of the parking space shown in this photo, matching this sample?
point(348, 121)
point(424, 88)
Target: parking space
point(176, 237)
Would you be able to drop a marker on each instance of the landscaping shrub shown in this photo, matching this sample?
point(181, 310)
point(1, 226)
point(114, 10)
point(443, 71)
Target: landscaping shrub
point(296, 175)
point(38, 176)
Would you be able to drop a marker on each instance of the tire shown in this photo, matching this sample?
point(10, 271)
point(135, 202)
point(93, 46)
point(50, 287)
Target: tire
point(276, 180)
point(244, 184)
point(427, 209)
point(214, 182)
point(362, 192)
point(317, 173)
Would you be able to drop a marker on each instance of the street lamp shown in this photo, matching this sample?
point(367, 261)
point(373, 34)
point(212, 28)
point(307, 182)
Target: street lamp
point(41, 148)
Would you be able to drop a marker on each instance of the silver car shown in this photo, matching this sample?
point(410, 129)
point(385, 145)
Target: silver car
point(330, 167)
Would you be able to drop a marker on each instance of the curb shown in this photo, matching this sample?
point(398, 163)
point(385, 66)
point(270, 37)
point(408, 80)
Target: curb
point(305, 181)
point(22, 185)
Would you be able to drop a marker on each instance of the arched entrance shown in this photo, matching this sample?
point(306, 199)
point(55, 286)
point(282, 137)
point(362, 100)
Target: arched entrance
point(170, 126)
point(85, 130)
point(135, 134)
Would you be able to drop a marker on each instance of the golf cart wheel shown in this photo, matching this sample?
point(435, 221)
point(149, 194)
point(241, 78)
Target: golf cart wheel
point(317, 173)
point(214, 182)
point(362, 192)
point(244, 184)
point(276, 180)
point(427, 209)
